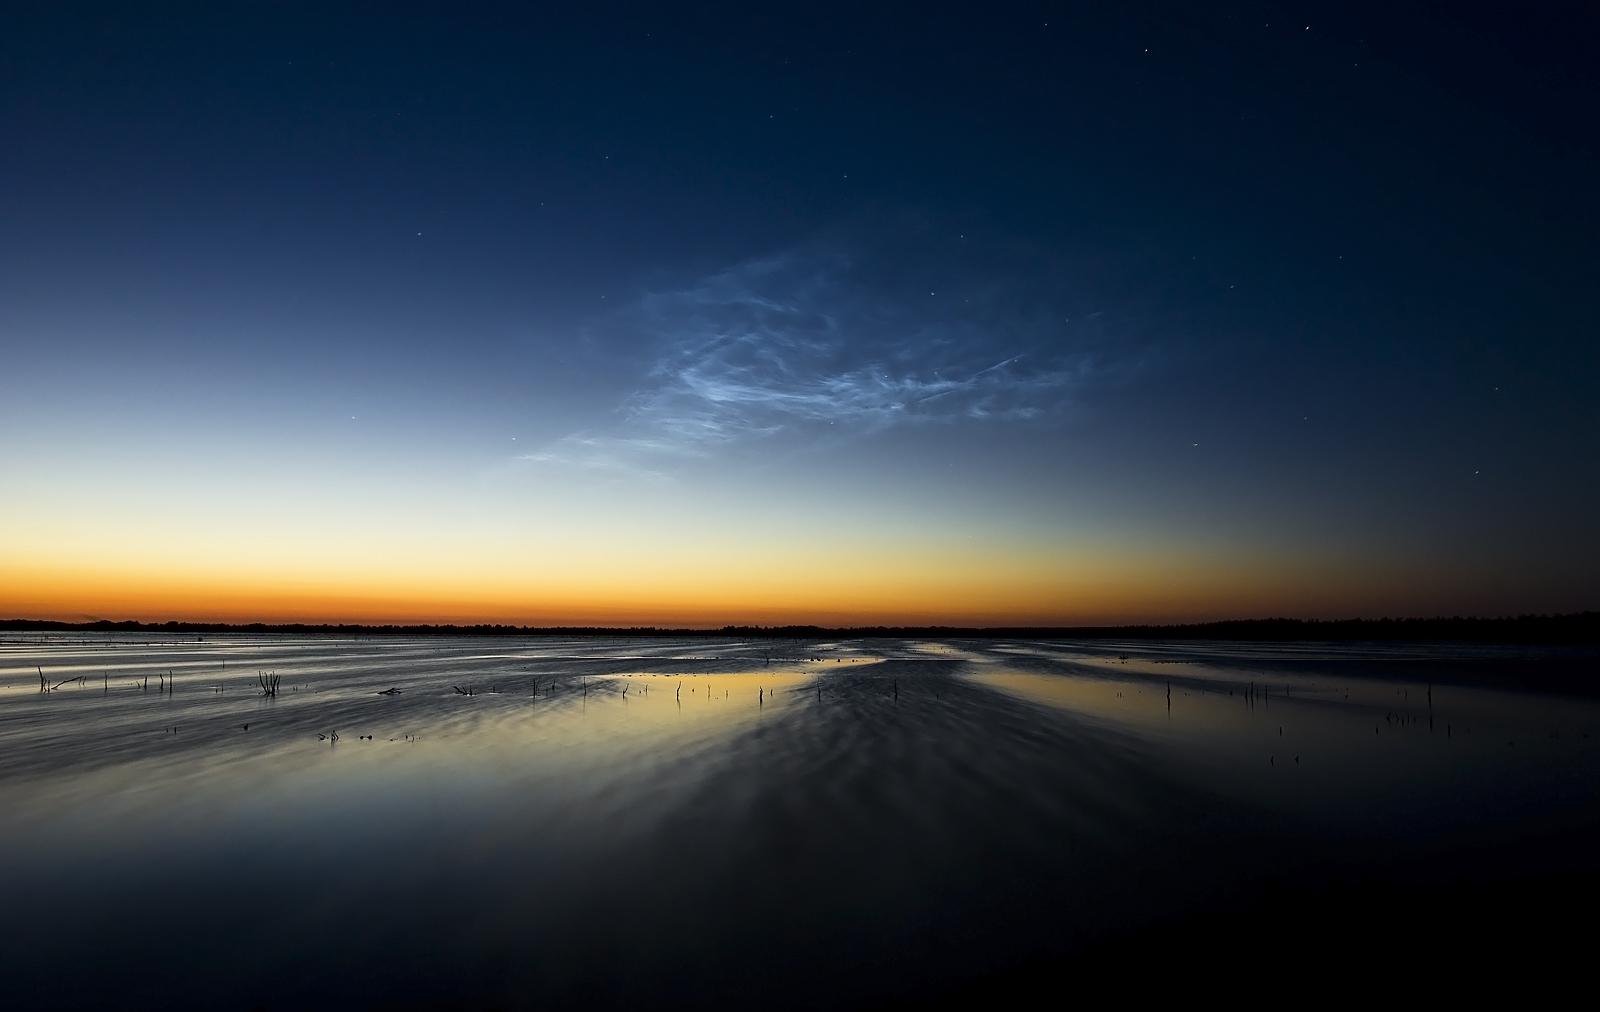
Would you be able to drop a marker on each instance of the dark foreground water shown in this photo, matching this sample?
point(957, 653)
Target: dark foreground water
point(658, 823)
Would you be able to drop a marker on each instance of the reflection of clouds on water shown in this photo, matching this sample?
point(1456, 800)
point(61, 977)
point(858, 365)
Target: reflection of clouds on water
point(816, 345)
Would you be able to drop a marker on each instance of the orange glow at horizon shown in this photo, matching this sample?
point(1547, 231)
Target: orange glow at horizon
point(875, 588)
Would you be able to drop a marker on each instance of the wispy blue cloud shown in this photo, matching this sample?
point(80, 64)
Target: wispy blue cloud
point(820, 343)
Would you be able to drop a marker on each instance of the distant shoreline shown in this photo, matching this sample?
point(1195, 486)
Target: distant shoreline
point(1577, 628)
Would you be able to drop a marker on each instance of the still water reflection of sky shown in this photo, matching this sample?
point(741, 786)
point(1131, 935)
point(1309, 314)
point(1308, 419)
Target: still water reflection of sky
point(664, 822)
point(1326, 741)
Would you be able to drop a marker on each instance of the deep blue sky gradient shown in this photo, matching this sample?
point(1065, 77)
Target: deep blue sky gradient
point(1307, 283)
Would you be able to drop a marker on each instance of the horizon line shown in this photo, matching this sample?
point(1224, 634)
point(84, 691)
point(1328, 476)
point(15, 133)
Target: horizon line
point(1570, 627)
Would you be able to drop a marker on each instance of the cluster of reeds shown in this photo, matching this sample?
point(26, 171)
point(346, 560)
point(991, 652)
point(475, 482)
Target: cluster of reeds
point(268, 682)
point(45, 686)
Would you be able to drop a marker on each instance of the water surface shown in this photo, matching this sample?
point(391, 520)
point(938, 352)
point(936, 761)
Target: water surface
point(656, 823)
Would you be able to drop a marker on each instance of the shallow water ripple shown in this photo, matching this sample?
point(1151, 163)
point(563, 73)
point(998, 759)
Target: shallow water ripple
point(663, 823)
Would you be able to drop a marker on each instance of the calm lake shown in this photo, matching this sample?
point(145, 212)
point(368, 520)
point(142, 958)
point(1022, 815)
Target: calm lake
point(643, 823)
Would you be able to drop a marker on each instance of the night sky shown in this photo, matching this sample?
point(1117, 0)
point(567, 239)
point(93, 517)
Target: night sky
point(841, 314)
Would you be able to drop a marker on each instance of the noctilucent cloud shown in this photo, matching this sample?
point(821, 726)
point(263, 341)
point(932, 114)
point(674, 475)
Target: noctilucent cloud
point(829, 314)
